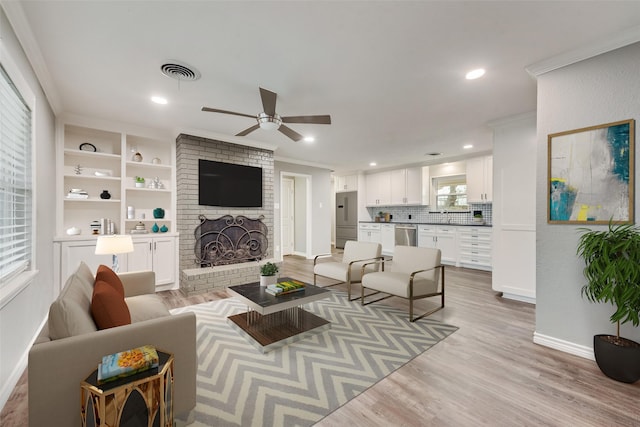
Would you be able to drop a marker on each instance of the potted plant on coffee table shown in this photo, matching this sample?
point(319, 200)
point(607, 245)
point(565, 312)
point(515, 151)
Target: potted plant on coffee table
point(612, 270)
point(268, 274)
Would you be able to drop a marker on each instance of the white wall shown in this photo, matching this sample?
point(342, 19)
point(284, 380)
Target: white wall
point(514, 207)
point(22, 315)
point(321, 210)
point(599, 90)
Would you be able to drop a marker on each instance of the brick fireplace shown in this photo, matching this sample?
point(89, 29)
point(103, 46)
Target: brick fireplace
point(195, 279)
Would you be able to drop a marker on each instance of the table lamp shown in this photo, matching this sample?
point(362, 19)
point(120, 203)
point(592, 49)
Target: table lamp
point(114, 244)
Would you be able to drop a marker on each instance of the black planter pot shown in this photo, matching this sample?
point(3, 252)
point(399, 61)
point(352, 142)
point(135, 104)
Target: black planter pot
point(615, 361)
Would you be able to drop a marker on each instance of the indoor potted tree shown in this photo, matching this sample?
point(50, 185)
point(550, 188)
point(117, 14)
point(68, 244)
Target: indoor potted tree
point(268, 274)
point(612, 270)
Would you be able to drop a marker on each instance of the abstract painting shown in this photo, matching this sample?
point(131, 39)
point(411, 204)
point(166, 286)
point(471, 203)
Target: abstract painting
point(591, 174)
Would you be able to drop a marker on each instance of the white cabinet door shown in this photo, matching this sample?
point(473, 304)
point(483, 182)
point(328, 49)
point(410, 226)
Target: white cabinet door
point(141, 257)
point(346, 183)
point(73, 252)
point(387, 238)
point(447, 243)
point(480, 179)
point(369, 233)
point(164, 256)
point(378, 187)
point(414, 182)
point(398, 186)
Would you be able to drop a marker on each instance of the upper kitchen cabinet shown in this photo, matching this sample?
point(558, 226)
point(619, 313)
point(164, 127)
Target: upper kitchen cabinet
point(480, 179)
point(378, 187)
point(346, 183)
point(396, 187)
point(406, 186)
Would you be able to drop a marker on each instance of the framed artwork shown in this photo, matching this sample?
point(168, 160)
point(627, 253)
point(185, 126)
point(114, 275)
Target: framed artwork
point(591, 174)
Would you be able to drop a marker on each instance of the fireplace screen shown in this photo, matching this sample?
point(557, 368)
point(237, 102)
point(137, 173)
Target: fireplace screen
point(230, 240)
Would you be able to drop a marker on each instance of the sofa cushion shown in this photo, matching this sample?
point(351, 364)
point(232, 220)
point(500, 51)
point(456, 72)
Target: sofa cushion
point(106, 274)
point(70, 313)
point(108, 307)
point(146, 307)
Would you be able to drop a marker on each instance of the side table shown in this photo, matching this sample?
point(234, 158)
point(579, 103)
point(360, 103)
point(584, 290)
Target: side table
point(143, 399)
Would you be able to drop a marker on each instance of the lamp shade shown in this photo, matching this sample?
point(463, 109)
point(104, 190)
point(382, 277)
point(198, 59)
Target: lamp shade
point(114, 244)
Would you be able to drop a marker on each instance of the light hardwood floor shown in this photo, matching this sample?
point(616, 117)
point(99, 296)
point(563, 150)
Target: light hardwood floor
point(488, 373)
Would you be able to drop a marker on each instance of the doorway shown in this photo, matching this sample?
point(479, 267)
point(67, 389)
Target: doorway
point(295, 214)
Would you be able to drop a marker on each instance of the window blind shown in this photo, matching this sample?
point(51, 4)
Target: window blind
point(15, 181)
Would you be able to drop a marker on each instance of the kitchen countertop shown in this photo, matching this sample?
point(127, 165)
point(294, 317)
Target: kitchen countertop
point(425, 223)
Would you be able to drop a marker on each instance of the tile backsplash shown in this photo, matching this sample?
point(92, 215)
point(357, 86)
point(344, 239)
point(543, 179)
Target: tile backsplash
point(423, 214)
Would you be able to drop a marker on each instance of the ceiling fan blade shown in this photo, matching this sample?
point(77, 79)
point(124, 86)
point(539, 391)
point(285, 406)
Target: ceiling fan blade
point(318, 120)
point(268, 101)
point(215, 110)
point(290, 133)
point(248, 130)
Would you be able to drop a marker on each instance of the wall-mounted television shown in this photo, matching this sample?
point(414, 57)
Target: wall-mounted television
point(229, 185)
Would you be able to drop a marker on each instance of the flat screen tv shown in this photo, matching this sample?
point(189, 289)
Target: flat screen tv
point(229, 185)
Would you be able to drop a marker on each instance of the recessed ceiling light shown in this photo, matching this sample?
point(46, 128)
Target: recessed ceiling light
point(373, 164)
point(309, 139)
point(475, 74)
point(466, 147)
point(433, 154)
point(159, 100)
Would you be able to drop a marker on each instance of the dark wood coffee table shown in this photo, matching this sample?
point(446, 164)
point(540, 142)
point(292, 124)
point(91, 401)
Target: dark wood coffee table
point(274, 321)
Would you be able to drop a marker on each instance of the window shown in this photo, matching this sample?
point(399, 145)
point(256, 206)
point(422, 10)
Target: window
point(450, 193)
point(15, 181)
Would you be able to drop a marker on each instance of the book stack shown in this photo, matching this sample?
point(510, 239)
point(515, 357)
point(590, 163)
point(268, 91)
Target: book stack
point(125, 363)
point(77, 193)
point(286, 287)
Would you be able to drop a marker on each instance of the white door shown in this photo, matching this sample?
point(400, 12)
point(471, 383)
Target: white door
point(164, 252)
point(141, 257)
point(288, 215)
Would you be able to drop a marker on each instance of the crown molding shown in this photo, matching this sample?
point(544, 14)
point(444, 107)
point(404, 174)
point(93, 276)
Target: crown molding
point(15, 14)
point(624, 38)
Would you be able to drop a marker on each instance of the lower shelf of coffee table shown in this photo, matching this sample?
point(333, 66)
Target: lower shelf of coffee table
point(275, 330)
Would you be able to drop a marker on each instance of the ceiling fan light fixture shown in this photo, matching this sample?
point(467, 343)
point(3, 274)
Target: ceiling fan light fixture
point(268, 122)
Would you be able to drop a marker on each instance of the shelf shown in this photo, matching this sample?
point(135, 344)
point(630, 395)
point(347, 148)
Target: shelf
point(90, 154)
point(101, 178)
point(149, 165)
point(93, 200)
point(150, 190)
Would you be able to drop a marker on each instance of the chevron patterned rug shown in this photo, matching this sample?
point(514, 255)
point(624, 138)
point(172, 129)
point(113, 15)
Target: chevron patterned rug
point(301, 383)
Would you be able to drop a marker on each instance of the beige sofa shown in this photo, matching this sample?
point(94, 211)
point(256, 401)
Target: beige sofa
point(70, 346)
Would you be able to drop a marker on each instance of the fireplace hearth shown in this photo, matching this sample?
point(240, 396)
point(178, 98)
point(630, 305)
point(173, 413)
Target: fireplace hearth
point(230, 240)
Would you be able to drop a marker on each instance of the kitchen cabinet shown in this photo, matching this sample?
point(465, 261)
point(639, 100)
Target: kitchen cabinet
point(156, 253)
point(406, 186)
point(443, 237)
point(480, 179)
point(475, 247)
point(396, 187)
point(368, 232)
point(387, 238)
point(378, 187)
point(346, 183)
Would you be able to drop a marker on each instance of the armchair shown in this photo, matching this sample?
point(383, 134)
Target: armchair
point(414, 273)
point(350, 269)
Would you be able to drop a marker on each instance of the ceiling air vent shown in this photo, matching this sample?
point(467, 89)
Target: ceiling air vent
point(179, 71)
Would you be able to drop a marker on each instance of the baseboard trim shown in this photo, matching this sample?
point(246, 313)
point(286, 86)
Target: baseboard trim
point(564, 346)
point(520, 298)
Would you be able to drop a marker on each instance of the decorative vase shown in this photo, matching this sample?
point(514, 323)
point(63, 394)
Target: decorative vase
point(105, 195)
point(164, 229)
point(158, 213)
point(621, 363)
point(155, 227)
point(268, 280)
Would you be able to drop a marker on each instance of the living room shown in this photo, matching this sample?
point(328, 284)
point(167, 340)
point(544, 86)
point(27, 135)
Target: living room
point(597, 86)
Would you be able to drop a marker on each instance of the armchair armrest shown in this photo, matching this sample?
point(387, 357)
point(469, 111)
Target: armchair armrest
point(378, 260)
point(412, 275)
point(315, 259)
point(138, 283)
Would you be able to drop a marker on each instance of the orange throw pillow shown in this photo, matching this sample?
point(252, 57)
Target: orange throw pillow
point(108, 307)
point(106, 274)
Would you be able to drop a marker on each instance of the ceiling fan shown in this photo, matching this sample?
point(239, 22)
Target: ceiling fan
point(269, 120)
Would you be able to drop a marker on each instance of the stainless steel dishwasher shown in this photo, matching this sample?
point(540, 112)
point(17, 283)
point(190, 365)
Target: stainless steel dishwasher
point(406, 235)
